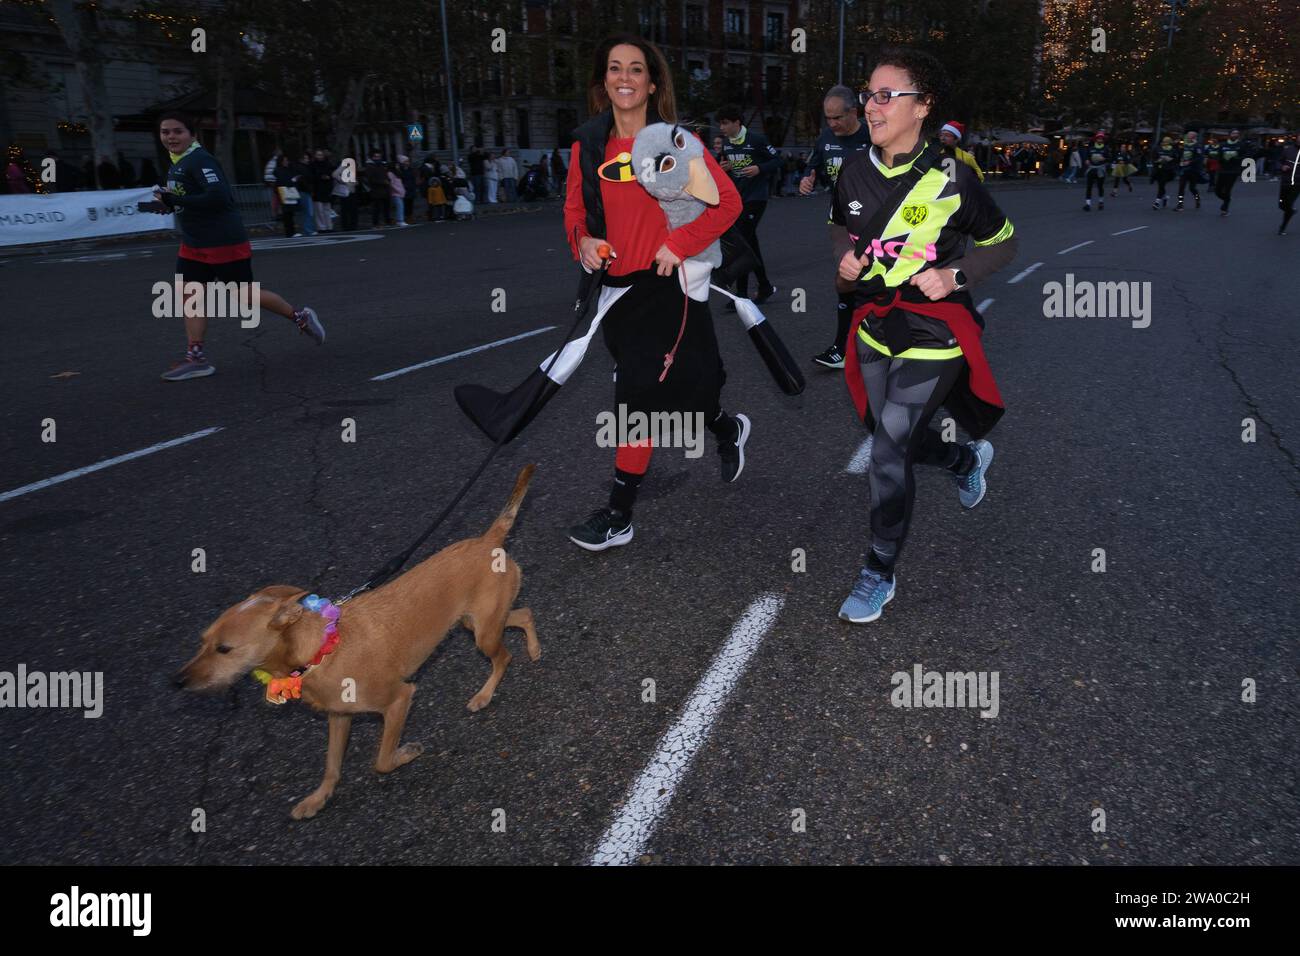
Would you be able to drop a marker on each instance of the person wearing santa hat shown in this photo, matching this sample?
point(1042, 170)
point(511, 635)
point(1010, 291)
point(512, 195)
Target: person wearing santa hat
point(1096, 162)
point(950, 136)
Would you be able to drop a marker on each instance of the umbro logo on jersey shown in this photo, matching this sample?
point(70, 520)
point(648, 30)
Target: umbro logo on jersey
point(854, 207)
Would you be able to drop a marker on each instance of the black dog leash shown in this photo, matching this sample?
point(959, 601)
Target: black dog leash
point(395, 563)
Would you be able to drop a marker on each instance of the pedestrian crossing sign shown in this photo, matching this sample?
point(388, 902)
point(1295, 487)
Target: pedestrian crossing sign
point(415, 133)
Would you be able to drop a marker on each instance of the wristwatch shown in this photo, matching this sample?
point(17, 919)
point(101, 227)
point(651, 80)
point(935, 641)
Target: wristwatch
point(960, 278)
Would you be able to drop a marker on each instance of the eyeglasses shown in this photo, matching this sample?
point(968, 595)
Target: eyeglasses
point(885, 97)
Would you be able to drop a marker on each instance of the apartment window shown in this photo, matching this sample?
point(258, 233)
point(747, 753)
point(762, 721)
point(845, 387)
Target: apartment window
point(695, 21)
point(735, 83)
point(735, 21)
point(523, 137)
point(499, 133)
point(478, 127)
point(773, 83)
point(564, 81)
point(774, 31)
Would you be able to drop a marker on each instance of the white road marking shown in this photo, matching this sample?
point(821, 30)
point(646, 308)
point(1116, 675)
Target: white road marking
point(1020, 275)
point(1086, 242)
point(456, 355)
point(983, 305)
point(650, 795)
point(297, 242)
point(1122, 231)
point(96, 257)
point(98, 466)
point(861, 459)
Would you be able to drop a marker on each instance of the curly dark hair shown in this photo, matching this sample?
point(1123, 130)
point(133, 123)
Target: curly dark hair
point(927, 74)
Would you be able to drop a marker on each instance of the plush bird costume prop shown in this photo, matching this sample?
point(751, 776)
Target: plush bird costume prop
point(668, 162)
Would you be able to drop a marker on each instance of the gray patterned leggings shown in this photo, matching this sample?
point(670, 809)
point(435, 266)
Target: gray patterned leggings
point(903, 394)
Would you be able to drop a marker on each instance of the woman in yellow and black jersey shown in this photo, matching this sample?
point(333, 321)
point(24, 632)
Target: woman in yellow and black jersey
point(914, 343)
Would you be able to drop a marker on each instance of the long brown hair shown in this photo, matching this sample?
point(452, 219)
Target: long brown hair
point(663, 101)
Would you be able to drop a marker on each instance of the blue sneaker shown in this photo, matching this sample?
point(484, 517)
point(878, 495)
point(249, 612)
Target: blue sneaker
point(971, 486)
point(868, 598)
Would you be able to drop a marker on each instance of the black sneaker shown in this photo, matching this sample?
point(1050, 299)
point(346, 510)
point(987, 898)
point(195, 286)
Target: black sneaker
point(732, 452)
point(764, 295)
point(833, 357)
point(604, 528)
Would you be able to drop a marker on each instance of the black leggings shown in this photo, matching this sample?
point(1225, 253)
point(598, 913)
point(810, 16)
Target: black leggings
point(1162, 180)
point(903, 394)
point(1223, 188)
point(1188, 178)
point(1095, 177)
point(1286, 198)
point(748, 226)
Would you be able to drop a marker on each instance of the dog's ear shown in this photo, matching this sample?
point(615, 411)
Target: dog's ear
point(288, 613)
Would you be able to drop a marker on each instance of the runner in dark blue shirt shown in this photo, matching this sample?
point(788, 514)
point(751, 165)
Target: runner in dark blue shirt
point(845, 134)
point(750, 160)
point(1190, 159)
point(214, 245)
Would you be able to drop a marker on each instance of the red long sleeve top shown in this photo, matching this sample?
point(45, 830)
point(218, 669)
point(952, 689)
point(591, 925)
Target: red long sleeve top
point(635, 225)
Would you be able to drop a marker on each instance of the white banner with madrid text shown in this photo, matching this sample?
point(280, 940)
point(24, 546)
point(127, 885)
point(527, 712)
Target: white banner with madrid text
point(78, 215)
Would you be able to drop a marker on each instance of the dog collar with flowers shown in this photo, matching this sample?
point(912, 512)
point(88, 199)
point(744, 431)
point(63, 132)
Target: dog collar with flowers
point(281, 689)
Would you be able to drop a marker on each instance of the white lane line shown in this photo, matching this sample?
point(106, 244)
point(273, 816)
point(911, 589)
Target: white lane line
point(78, 472)
point(1086, 242)
point(983, 305)
point(1020, 275)
point(649, 797)
point(456, 355)
point(861, 459)
point(1122, 231)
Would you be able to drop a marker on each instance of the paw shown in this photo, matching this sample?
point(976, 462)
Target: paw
point(308, 808)
point(534, 651)
point(479, 701)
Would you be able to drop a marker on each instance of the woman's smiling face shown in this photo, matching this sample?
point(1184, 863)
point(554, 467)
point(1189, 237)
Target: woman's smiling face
point(627, 78)
point(895, 126)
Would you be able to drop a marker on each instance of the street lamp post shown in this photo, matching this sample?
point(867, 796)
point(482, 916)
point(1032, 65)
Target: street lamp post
point(839, 75)
point(451, 101)
point(1171, 28)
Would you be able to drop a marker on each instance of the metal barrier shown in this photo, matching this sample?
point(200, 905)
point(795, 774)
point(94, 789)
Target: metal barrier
point(254, 202)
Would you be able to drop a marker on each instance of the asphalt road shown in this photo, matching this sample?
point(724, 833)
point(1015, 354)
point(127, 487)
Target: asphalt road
point(1119, 691)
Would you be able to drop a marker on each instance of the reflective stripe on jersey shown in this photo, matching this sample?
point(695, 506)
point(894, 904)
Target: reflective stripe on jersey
point(915, 352)
point(1002, 235)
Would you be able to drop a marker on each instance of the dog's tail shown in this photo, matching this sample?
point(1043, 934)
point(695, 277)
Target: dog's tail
point(506, 519)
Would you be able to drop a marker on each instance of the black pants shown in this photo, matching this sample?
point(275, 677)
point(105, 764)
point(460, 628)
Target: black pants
point(286, 216)
point(1189, 178)
point(1286, 198)
point(1096, 177)
point(1162, 180)
point(380, 211)
point(348, 212)
point(903, 395)
point(642, 327)
point(1223, 184)
point(748, 226)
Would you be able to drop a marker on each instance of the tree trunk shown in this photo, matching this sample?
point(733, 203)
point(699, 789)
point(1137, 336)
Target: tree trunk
point(226, 69)
point(347, 117)
point(89, 61)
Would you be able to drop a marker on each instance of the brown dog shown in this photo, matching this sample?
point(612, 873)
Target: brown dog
point(384, 637)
